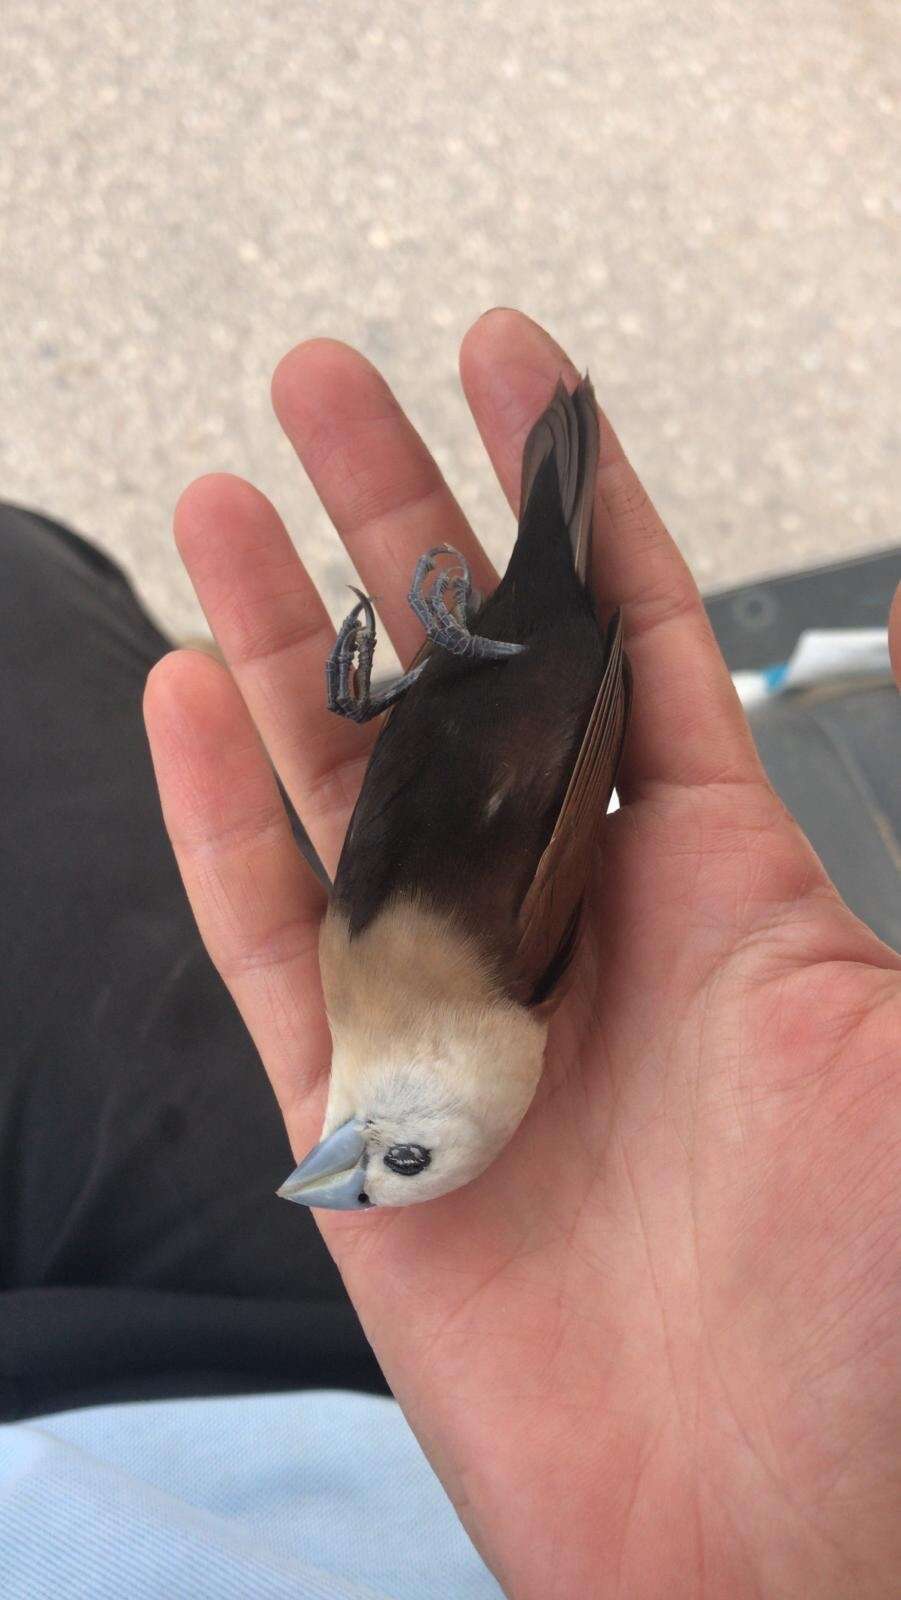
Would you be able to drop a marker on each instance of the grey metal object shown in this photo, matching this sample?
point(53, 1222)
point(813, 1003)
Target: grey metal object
point(833, 752)
point(834, 756)
point(759, 624)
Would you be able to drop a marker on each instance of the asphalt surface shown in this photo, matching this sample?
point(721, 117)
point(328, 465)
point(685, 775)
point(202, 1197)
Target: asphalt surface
point(702, 202)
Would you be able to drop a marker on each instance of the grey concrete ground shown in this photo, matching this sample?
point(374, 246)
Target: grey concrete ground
point(702, 201)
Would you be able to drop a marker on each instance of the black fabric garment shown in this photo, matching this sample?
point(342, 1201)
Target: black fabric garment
point(143, 1252)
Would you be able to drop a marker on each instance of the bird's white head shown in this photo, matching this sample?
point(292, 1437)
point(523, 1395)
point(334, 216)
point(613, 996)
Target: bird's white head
point(432, 1067)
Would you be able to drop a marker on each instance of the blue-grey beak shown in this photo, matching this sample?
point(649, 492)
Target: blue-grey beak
point(334, 1174)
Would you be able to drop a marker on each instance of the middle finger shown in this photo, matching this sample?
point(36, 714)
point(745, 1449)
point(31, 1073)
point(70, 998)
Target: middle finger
point(375, 477)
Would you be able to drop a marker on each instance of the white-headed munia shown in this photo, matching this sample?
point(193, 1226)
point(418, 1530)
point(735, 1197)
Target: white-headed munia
point(455, 908)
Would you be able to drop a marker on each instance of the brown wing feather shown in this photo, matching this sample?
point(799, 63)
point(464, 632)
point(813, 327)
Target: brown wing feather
point(550, 909)
point(569, 429)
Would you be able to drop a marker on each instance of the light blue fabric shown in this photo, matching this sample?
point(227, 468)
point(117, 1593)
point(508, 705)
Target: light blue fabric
point(311, 1496)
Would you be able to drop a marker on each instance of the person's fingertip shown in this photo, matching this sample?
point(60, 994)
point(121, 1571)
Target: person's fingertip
point(509, 367)
point(188, 694)
point(497, 316)
point(506, 338)
point(161, 685)
point(311, 352)
point(502, 321)
point(162, 709)
point(324, 377)
point(212, 503)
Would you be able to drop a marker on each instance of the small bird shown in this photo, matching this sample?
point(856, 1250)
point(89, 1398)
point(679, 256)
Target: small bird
point(454, 913)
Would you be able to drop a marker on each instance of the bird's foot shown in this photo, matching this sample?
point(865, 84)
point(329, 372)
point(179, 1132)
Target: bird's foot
point(445, 608)
point(348, 670)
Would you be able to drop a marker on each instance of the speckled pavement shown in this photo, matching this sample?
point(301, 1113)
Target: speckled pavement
point(702, 202)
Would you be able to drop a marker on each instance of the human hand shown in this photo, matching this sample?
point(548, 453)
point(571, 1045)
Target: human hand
point(649, 1350)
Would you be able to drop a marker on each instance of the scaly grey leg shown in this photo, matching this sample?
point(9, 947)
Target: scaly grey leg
point(444, 611)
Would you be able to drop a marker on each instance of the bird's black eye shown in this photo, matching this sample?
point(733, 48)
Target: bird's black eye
point(407, 1159)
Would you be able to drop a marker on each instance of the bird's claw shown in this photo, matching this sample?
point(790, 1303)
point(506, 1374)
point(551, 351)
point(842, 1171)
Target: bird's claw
point(443, 609)
point(348, 670)
point(446, 623)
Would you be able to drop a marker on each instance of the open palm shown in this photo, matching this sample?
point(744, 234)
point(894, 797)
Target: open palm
point(649, 1351)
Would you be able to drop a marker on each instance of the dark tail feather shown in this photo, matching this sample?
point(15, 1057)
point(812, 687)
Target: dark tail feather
point(568, 430)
